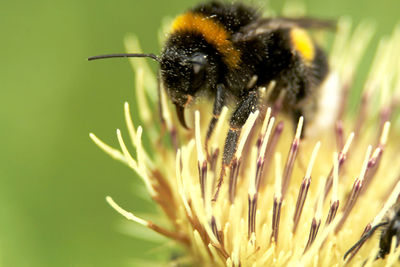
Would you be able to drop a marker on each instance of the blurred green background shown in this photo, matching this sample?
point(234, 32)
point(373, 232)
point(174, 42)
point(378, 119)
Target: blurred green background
point(53, 179)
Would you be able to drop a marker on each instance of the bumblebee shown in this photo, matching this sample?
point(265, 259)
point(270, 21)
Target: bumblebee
point(228, 51)
point(390, 226)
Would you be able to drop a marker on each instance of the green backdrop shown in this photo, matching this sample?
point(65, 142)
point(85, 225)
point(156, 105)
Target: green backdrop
point(53, 179)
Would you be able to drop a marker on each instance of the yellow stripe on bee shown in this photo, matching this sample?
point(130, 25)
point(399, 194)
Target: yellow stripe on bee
point(212, 31)
point(303, 44)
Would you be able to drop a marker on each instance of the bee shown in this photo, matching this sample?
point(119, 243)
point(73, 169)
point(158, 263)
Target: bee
point(390, 226)
point(228, 51)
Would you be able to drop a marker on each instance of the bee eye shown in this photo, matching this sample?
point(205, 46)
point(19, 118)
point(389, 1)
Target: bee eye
point(197, 68)
point(199, 62)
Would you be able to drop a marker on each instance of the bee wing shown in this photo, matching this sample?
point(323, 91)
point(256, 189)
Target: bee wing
point(308, 23)
point(263, 26)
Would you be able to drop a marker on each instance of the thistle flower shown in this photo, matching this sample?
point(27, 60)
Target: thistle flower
point(284, 200)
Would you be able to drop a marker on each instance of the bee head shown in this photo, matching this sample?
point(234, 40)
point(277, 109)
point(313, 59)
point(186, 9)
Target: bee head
point(184, 72)
point(187, 64)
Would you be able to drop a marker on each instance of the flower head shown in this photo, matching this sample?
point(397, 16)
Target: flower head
point(284, 200)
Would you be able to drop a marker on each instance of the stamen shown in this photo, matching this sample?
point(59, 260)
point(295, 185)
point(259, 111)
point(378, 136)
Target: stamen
point(347, 145)
point(135, 164)
point(264, 127)
point(372, 168)
point(312, 160)
point(183, 161)
point(299, 128)
point(362, 114)
point(141, 160)
point(341, 40)
point(385, 115)
point(319, 241)
point(112, 152)
point(132, 44)
point(217, 252)
point(276, 212)
point(180, 183)
point(167, 117)
point(261, 156)
point(252, 202)
point(278, 103)
point(218, 128)
point(385, 133)
point(143, 107)
point(219, 183)
point(235, 255)
point(339, 135)
point(334, 196)
point(267, 255)
point(341, 159)
point(365, 164)
point(355, 191)
point(334, 204)
point(234, 172)
point(130, 216)
point(304, 188)
point(255, 182)
point(215, 229)
point(313, 233)
point(364, 31)
point(252, 82)
point(229, 262)
point(245, 132)
point(201, 160)
point(200, 245)
point(269, 89)
point(133, 134)
point(270, 152)
point(213, 165)
point(316, 221)
point(129, 123)
point(287, 173)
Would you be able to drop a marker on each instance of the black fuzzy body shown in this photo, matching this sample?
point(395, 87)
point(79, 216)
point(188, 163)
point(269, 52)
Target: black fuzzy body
point(266, 52)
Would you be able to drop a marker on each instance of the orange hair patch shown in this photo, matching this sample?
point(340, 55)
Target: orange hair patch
point(212, 31)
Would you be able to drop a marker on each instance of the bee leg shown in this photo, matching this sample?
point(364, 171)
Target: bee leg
point(239, 117)
point(219, 103)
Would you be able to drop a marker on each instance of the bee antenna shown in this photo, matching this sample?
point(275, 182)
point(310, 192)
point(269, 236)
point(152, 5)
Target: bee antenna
point(152, 56)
